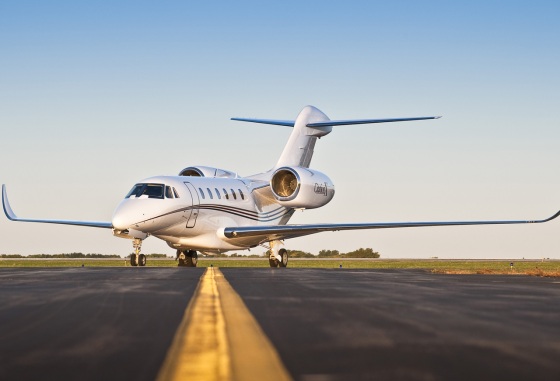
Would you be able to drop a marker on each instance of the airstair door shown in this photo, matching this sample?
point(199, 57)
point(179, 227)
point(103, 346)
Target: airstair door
point(191, 219)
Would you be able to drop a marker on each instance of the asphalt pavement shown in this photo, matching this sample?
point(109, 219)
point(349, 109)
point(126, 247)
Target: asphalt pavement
point(326, 324)
point(90, 323)
point(406, 324)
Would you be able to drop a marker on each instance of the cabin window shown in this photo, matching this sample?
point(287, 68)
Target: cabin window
point(225, 193)
point(175, 193)
point(233, 194)
point(168, 192)
point(150, 190)
point(218, 193)
point(241, 194)
point(201, 193)
point(210, 194)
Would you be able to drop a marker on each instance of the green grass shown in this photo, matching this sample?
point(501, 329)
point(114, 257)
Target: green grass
point(438, 266)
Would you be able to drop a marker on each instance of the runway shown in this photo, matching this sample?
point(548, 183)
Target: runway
point(335, 324)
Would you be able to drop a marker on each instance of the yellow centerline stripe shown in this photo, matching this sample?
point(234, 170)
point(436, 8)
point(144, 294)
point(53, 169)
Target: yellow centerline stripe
point(219, 339)
point(253, 357)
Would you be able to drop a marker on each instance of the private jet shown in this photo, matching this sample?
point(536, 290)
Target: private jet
point(211, 210)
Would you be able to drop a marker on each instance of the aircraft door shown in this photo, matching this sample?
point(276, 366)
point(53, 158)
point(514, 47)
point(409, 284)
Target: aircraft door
point(191, 219)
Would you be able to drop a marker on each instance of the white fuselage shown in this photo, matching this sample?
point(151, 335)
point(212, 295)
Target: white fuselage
point(195, 210)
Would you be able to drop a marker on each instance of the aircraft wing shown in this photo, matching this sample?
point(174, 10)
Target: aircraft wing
point(12, 216)
point(278, 232)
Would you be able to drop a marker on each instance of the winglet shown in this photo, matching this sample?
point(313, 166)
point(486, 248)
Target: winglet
point(6, 204)
point(551, 218)
point(11, 215)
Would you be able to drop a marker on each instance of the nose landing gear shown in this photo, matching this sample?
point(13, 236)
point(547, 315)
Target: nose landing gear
point(187, 258)
point(137, 259)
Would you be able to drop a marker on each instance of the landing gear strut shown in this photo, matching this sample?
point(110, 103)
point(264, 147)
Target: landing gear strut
point(278, 257)
point(187, 258)
point(137, 259)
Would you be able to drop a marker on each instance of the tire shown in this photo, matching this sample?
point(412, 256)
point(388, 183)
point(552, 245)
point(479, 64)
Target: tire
point(273, 262)
point(181, 259)
point(192, 258)
point(284, 254)
point(133, 260)
point(141, 260)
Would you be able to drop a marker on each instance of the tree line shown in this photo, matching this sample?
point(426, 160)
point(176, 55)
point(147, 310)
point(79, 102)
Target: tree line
point(68, 255)
point(359, 253)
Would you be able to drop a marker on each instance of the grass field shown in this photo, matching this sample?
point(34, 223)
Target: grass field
point(527, 267)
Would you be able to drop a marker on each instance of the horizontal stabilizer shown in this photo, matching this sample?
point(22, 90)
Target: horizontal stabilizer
point(12, 216)
point(367, 121)
point(287, 123)
point(330, 123)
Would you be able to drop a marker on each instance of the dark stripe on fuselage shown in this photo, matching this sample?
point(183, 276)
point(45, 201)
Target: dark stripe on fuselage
point(249, 214)
point(245, 212)
point(239, 212)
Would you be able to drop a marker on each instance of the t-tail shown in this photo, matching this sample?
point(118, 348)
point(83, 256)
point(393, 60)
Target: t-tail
point(311, 124)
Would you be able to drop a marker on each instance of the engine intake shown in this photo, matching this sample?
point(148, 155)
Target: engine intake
point(299, 187)
point(285, 184)
point(201, 171)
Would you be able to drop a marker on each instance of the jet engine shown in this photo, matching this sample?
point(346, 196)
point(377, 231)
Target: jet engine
point(298, 187)
point(201, 171)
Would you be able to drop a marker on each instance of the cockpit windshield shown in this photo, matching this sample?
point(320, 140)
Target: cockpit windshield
point(150, 190)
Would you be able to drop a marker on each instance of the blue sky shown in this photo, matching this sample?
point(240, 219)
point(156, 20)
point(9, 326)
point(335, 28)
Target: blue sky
point(95, 96)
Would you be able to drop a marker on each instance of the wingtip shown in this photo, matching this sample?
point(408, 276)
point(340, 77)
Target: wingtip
point(6, 205)
point(556, 215)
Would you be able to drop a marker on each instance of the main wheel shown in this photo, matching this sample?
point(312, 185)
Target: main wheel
point(192, 258)
point(284, 254)
point(181, 259)
point(141, 260)
point(133, 260)
point(273, 262)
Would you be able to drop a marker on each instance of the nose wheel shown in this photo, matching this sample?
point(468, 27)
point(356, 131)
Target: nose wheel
point(187, 258)
point(137, 259)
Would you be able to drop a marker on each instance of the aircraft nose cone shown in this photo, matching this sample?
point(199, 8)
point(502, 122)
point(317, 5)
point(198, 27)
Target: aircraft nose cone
point(123, 217)
point(119, 223)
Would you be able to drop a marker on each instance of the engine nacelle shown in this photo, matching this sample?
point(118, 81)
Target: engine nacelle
point(298, 187)
point(201, 171)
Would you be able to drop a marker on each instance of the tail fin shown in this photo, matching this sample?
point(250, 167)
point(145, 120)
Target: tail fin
point(299, 149)
point(310, 124)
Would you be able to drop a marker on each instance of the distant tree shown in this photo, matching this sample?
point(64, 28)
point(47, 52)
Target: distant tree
point(329, 253)
point(362, 253)
point(217, 255)
point(74, 255)
point(299, 254)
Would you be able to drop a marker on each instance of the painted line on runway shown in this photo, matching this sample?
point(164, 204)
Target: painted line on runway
point(219, 339)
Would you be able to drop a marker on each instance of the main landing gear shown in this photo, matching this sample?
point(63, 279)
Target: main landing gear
point(137, 259)
point(278, 257)
point(187, 258)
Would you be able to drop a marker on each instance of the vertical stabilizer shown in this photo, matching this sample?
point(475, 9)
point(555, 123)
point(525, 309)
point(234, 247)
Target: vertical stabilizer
point(299, 149)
